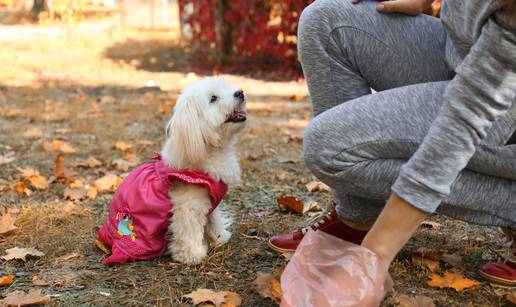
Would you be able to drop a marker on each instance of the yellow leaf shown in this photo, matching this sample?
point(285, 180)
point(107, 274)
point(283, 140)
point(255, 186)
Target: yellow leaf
point(453, 280)
point(92, 193)
point(77, 183)
point(107, 183)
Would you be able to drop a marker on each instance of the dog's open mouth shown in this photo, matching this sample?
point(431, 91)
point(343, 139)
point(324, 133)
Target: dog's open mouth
point(237, 116)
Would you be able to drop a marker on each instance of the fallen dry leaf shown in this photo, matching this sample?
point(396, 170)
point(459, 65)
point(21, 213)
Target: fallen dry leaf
point(219, 299)
point(126, 164)
point(311, 206)
point(27, 172)
point(58, 145)
point(69, 207)
point(103, 247)
point(20, 298)
point(92, 193)
point(410, 301)
point(108, 182)
point(21, 253)
point(451, 259)
point(69, 256)
point(77, 183)
point(315, 186)
point(7, 224)
point(122, 146)
point(296, 205)
point(453, 280)
point(107, 99)
point(6, 280)
point(22, 188)
point(7, 158)
point(288, 160)
point(61, 172)
point(39, 182)
point(420, 259)
point(291, 203)
point(167, 106)
point(75, 194)
point(38, 281)
point(91, 162)
point(33, 133)
point(269, 286)
point(297, 97)
point(505, 292)
point(35, 179)
point(431, 225)
point(95, 107)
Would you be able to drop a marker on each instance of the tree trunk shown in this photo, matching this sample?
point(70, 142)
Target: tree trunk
point(38, 7)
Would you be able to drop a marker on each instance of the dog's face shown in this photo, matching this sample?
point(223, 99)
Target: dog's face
point(208, 113)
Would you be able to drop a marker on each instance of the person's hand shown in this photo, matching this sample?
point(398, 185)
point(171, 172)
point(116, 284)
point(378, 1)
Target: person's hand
point(325, 269)
point(409, 7)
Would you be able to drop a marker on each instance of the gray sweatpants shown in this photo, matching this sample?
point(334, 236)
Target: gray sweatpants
point(358, 141)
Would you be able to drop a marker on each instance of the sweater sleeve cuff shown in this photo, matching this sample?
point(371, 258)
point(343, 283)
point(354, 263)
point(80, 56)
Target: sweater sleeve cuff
point(416, 193)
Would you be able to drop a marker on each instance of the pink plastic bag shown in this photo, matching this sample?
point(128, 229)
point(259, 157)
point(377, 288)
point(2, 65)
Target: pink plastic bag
point(327, 271)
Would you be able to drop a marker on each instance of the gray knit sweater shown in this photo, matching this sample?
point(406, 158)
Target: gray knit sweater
point(481, 48)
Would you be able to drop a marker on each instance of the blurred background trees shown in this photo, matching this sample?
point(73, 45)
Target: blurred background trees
point(243, 33)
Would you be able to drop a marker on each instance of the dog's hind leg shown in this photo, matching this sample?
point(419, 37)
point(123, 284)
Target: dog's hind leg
point(191, 205)
point(217, 227)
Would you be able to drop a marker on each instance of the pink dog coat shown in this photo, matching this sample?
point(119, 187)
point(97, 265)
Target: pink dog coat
point(140, 211)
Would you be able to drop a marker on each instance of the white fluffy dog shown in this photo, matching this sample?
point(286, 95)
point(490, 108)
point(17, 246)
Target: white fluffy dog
point(201, 137)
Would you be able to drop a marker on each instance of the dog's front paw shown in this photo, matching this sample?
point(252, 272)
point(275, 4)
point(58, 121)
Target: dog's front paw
point(189, 254)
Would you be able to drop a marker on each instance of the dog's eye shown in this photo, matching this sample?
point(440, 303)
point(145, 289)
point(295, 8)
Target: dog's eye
point(213, 99)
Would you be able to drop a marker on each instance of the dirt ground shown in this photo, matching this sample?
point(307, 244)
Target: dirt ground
point(94, 84)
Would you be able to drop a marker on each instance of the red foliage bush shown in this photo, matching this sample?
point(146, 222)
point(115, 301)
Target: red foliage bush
point(244, 33)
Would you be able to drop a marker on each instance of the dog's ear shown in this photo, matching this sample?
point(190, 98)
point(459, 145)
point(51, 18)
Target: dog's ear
point(186, 143)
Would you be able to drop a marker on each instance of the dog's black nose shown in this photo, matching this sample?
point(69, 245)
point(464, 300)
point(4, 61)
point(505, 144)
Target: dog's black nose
point(239, 94)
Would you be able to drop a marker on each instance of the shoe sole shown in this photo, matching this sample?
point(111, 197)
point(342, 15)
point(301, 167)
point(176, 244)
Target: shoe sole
point(498, 280)
point(279, 249)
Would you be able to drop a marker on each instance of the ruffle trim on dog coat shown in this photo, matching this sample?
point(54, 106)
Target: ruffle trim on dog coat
point(140, 211)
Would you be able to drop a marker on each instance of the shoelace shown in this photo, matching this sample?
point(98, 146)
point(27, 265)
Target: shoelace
point(317, 221)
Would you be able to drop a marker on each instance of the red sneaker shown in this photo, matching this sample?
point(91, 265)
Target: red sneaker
point(501, 272)
point(330, 224)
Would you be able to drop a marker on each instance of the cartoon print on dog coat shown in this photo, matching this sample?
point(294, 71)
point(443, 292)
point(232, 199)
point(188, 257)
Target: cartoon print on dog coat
point(140, 211)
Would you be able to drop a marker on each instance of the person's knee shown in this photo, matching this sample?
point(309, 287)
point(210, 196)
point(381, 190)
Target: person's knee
point(316, 150)
point(327, 152)
point(316, 21)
